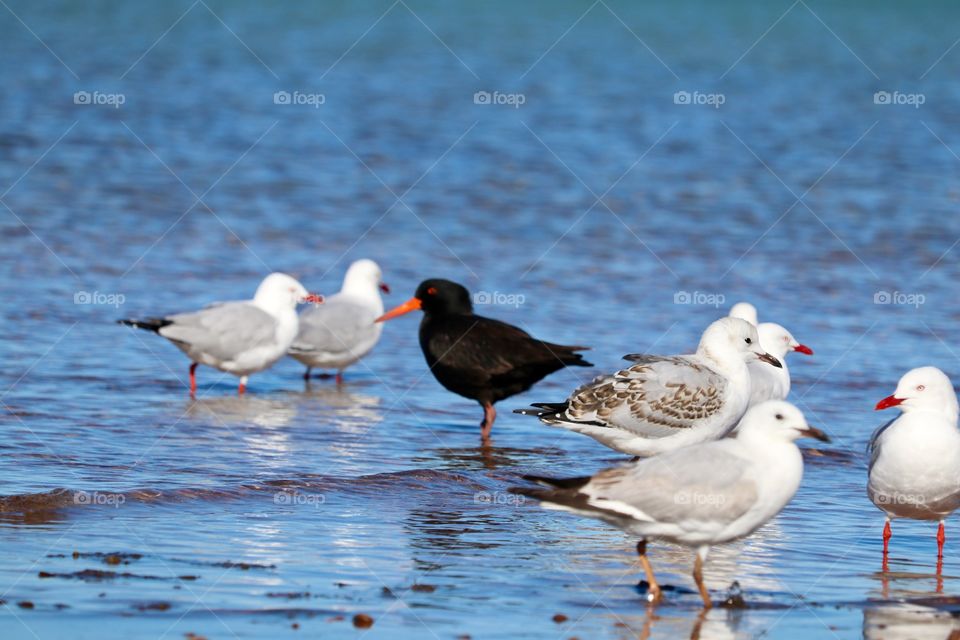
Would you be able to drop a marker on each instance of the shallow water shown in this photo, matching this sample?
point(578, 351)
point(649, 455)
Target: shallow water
point(301, 507)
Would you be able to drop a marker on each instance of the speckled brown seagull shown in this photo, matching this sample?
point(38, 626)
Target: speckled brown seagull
point(665, 402)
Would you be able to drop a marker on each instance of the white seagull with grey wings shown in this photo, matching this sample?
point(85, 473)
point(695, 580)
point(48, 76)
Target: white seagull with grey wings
point(697, 496)
point(241, 337)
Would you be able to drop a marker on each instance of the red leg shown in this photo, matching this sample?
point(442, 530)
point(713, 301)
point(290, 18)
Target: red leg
point(339, 378)
point(243, 386)
point(193, 379)
point(887, 534)
point(489, 416)
point(941, 538)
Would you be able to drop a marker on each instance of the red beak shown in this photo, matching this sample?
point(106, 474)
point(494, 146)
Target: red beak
point(314, 298)
point(384, 287)
point(410, 305)
point(889, 401)
point(802, 348)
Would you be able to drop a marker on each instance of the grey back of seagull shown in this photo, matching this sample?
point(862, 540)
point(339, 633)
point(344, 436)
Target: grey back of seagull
point(222, 331)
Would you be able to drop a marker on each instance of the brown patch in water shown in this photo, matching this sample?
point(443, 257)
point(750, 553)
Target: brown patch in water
point(362, 621)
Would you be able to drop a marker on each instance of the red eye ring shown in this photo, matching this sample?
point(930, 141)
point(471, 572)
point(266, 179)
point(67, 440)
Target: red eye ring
point(432, 291)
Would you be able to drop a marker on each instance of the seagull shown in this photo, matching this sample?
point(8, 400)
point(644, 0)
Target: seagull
point(744, 311)
point(665, 402)
point(476, 357)
point(770, 383)
point(915, 458)
point(342, 330)
point(241, 337)
point(697, 496)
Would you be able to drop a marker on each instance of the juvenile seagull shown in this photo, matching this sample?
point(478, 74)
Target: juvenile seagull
point(666, 402)
point(240, 337)
point(702, 495)
point(915, 458)
point(768, 383)
point(342, 330)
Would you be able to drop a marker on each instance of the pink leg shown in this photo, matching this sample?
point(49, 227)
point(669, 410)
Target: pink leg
point(489, 415)
point(193, 379)
point(941, 538)
point(887, 534)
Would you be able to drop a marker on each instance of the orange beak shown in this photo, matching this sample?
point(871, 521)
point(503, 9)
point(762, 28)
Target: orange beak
point(410, 305)
point(313, 298)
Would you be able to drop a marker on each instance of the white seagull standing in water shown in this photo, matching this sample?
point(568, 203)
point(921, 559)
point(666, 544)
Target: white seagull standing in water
point(666, 402)
point(342, 330)
point(241, 337)
point(915, 458)
point(698, 496)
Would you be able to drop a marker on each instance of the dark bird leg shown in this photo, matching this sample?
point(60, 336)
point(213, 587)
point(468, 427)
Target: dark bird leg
point(193, 379)
point(653, 590)
point(489, 415)
point(306, 374)
point(698, 576)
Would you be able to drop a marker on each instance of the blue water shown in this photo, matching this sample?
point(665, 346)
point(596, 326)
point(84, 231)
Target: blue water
point(599, 200)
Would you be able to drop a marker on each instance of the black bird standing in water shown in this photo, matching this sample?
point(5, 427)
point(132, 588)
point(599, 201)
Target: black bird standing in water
point(479, 358)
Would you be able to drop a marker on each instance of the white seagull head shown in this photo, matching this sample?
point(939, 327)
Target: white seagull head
point(778, 342)
point(777, 420)
point(730, 338)
point(744, 311)
point(925, 389)
point(364, 276)
point(279, 292)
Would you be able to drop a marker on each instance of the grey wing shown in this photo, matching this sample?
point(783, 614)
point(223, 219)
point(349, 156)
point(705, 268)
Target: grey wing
point(873, 448)
point(335, 326)
point(653, 398)
point(705, 483)
point(223, 331)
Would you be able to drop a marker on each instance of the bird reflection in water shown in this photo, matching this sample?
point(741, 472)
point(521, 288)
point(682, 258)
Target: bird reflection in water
point(712, 624)
point(911, 621)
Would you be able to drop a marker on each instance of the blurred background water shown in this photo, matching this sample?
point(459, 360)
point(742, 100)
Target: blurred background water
point(619, 204)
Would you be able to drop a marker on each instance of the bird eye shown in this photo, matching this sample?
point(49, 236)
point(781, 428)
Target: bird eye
point(748, 340)
point(920, 387)
point(779, 416)
point(432, 291)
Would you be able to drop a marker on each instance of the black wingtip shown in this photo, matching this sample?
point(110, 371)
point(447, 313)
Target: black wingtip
point(150, 324)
